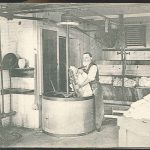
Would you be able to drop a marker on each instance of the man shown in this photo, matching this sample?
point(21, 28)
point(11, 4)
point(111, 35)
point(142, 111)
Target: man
point(91, 69)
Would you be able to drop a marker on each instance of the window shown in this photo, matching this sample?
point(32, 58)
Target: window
point(135, 35)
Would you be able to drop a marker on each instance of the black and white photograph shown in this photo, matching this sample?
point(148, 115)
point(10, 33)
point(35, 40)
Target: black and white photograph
point(74, 75)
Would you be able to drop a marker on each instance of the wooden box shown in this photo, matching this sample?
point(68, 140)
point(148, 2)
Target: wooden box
point(133, 132)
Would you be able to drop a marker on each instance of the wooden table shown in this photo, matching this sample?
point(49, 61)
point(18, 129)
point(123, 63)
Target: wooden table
point(134, 132)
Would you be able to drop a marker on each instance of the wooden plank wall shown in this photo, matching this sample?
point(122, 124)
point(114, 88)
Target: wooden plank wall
point(18, 38)
point(134, 55)
point(26, 116)
point(137, 70)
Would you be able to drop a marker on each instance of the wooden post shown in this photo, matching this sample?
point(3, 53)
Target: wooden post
point(0, 68)
point(122, 46)
point(10, 105)
point(67, 59)
point(2, 88)
point(122, 49)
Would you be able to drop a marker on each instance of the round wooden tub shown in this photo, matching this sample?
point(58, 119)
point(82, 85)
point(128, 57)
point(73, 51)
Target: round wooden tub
point(68, 116)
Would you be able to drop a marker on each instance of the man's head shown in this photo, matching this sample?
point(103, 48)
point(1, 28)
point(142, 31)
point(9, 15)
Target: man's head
point(87, 58)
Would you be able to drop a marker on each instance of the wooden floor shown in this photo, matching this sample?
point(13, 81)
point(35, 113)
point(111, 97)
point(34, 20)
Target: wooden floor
point(107, 137)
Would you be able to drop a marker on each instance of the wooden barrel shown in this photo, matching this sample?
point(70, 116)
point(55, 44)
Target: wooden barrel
point(68, 116)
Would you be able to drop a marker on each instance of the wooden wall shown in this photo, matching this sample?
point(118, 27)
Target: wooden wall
point(17, 36)
point(26, 116)
point(134, 55)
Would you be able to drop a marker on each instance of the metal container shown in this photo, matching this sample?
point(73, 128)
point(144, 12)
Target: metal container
point(10, 61)
point(68, 116)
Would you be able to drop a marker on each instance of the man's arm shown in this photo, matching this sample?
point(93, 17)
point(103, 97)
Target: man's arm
point(90, 77)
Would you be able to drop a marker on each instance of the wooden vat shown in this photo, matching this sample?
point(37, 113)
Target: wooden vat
point(68, 116)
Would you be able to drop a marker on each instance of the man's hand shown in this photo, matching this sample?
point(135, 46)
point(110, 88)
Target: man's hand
point(77, 86)
point(80, 71)
point(71, 87)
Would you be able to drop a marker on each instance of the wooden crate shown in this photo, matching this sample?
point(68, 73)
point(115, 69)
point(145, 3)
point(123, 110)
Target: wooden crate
point(133, 132)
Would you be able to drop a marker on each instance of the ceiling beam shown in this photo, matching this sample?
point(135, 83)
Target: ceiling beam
point(117, 16)
point(58, 7)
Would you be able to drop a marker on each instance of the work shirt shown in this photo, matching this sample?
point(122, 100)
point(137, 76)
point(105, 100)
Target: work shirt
point(92, 72)
point(92, 75)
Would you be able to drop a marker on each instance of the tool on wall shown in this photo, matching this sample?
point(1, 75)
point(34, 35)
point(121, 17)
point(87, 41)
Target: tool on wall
point(36, 99)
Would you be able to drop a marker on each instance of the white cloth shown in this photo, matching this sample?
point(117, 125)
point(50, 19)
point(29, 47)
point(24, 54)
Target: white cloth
point(80, 78)
point(139, 109)
point(92, 72)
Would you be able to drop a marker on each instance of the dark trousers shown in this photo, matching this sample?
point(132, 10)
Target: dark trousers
point(99, 104)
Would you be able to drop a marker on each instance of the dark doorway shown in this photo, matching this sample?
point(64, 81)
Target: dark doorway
point(49, 40)
point(62, 64)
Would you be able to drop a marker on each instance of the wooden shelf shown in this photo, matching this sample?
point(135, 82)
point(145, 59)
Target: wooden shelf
point(127, 75)
point(115, 102)
point(136, 87)
point(24, 73)
point(106, 84)
point(18, 91)
point(128, 49)
point(142, 87)
point(119, 62)
point(103, 84)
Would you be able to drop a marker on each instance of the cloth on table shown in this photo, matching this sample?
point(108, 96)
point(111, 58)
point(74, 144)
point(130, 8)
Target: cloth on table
point(139, 109)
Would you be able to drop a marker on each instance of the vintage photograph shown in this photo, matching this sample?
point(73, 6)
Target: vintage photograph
point(74, 75)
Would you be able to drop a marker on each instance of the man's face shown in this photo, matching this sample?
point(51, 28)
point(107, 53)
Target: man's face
point(86, 59)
